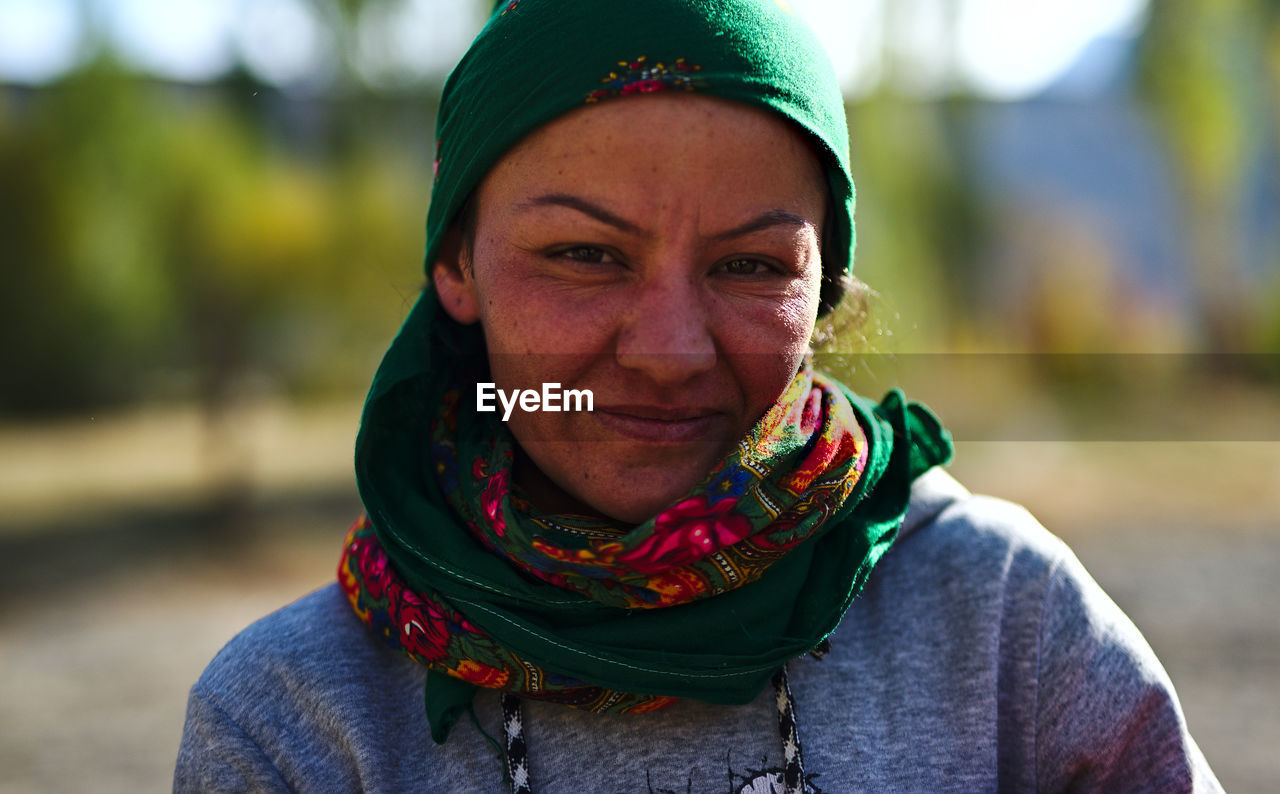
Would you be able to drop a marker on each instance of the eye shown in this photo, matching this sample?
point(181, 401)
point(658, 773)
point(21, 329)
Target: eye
point(743, 266)
point(588, 254)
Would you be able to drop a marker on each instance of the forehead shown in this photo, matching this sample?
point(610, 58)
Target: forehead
point(649, 146)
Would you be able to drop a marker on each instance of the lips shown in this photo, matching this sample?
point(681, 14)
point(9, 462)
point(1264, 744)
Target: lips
point(655, 424)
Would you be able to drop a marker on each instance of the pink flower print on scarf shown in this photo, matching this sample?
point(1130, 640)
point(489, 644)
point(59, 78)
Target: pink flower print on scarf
point(688, 532)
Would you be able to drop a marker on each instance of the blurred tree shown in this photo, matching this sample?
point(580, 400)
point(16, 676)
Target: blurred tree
point(1203, 67)
point(155, 230)
point(922, 221)
point(1270, 336)
point(342, 17)
point(87, 288)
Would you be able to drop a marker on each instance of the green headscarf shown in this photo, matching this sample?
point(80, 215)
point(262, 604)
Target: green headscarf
point(539, 59)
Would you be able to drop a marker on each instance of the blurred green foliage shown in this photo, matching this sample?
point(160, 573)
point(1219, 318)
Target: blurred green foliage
point(162, 241)
point(1210, 72)
point(921, 222)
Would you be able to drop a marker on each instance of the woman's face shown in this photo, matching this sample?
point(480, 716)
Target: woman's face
point(662, 252)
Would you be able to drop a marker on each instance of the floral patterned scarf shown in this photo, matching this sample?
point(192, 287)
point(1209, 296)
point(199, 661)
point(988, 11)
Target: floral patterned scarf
point(775, 489)
point(601, 604)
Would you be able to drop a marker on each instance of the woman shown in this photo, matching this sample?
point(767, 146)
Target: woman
point(650, 203)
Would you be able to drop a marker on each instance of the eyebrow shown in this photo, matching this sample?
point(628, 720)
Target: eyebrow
point(585, 207)
point(765, 220)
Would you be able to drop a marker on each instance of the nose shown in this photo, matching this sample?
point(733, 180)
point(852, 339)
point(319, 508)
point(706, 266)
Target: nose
point(667, 334)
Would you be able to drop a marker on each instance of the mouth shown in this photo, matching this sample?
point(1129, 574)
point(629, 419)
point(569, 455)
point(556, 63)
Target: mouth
point(653, 424)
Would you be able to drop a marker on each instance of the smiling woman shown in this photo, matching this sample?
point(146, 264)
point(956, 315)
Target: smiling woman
point(660, 592)
point(686, 311)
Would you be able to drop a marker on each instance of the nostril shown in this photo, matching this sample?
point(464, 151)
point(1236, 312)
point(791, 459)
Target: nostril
point(667, 334)
point(668, 358)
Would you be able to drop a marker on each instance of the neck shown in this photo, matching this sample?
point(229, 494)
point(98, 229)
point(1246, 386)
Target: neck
point(544, 493)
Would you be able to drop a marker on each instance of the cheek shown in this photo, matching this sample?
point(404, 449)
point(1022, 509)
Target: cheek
point(781, 327)
point(523, 314)
point(763, 378)
point(799, 312)
point(530, 343)
point(766, 355)
point(780, 335)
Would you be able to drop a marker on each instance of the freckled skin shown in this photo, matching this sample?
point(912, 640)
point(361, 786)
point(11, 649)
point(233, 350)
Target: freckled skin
point(675, 267)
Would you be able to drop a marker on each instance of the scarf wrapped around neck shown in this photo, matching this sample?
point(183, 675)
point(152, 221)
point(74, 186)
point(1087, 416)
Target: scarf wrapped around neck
point(752, 568)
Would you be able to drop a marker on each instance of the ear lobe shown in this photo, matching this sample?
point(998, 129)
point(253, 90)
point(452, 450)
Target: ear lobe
point(452, 278)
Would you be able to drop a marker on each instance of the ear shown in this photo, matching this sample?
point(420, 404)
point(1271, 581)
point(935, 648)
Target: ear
point(451, 274)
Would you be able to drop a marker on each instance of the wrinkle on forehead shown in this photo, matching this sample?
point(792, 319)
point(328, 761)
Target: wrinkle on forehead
point(693, 133)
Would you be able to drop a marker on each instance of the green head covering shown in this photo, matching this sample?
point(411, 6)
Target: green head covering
point(539, 59)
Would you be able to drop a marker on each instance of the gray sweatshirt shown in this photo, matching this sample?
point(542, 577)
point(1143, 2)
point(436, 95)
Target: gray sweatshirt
point(980, 657)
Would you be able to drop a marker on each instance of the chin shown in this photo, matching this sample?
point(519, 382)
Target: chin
point(621, 480)
point(636, 513)
point(629, 505)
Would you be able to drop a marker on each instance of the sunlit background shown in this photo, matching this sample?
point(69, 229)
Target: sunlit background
point(211, 218)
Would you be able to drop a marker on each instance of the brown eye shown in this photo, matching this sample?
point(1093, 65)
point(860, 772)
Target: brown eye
point(744, 267)
point(588, 254)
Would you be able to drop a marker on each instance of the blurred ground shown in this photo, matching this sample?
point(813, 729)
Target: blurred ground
point(126, 575)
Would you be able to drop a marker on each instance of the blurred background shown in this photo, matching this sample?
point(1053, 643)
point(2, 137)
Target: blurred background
point(211, 218)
